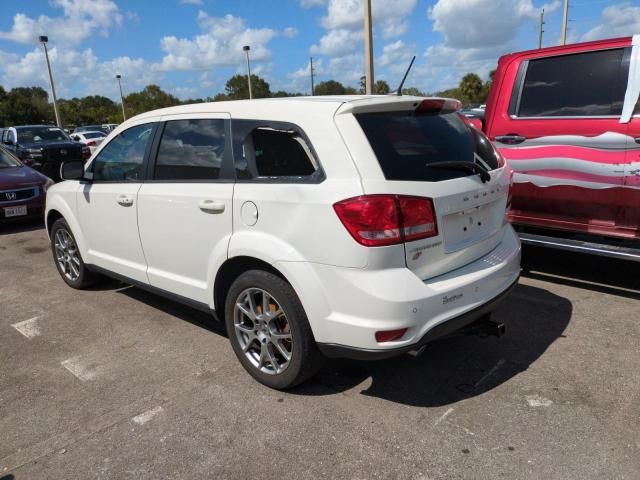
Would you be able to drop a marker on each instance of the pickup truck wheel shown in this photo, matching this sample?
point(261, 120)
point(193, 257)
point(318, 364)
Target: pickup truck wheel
point(269, 330)
point(67, 257)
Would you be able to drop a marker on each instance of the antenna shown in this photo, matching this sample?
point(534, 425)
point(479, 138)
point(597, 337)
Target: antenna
point(399, 91)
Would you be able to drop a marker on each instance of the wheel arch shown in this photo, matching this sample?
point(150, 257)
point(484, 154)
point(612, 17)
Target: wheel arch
point(59, 208)
point(229, 271)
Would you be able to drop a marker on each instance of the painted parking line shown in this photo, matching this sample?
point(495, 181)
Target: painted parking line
point(146, 416)
point(80, 371)
point(29, 328)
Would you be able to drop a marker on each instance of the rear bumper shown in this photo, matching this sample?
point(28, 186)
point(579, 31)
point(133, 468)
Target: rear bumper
point(347, 306)
point(441, 330)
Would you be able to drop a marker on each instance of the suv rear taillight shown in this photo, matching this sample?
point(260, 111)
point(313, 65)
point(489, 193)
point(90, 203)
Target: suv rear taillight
point(378, 220)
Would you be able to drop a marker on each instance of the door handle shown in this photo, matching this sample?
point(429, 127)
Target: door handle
point(125, 200)
point(211, 206)
point(511, 139)
point(637, 139)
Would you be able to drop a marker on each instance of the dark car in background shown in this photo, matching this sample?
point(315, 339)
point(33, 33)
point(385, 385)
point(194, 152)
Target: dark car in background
point(43, 147)
point(22, 189)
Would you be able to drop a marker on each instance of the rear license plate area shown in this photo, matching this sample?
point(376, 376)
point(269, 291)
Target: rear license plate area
point(468, 227)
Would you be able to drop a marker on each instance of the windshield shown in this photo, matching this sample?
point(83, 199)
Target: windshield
point(41, 134)
point(7, 160)
point(407, 144)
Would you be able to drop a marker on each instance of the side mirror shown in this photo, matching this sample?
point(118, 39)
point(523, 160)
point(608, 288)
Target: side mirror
point(72, 170)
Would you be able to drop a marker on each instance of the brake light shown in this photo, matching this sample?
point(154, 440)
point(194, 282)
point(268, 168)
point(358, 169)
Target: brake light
point(438, 105)
point(378, 220)
point(91, 143)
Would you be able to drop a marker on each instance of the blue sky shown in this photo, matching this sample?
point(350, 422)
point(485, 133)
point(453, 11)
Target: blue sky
point(191, 47)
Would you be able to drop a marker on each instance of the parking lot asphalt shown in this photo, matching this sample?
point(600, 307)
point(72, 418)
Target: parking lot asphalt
point(115, 382)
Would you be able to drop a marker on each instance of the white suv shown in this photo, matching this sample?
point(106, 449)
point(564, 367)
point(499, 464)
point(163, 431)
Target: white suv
point(359, 227)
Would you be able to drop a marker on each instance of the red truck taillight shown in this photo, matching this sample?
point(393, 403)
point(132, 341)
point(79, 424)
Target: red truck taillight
point(378, 220)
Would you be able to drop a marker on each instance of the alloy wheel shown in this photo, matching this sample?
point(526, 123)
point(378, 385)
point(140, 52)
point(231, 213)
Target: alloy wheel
point(263, 331)
point(67, 254)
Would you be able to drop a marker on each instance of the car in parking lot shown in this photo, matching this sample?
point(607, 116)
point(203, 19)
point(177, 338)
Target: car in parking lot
point(566, 118)
point(43, 147)
point(105, 128)
point(22, 189)
point(90, 138)
point(358, 227)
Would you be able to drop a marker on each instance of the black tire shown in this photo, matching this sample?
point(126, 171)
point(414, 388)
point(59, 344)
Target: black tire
point(305, 359)
point(85, 277)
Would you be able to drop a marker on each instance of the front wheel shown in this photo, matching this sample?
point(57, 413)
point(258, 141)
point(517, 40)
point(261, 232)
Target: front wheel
point(69, 263)
point(269, 330)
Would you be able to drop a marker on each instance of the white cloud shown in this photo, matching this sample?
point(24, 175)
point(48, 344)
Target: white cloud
point(394, 53)
point(338, 42)
point(349, 14)
point(617, 20)
point(220, 43)
point(76, 73)
point(80, 18)
point(312, 3)
point(480, 23)
point(290, 32)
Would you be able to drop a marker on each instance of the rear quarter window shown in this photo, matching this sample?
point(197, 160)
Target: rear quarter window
point(407, 143)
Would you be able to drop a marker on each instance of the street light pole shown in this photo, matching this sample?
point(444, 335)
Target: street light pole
point(124, 115)
point(565, 19)
point(44, 39)
point(368, 48)
point(246, 49)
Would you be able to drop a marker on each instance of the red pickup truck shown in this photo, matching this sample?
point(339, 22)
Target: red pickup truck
point(567, 118)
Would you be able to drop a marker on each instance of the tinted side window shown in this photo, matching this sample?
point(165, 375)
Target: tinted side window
point(581, 84)
point(191, 150)
point(276, 151)
point(122, 158)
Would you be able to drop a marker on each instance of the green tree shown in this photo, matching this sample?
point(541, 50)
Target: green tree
point(26, 105)
point(237, 88)
point(486, 87)
point(150, 98)
point(381, 87)
point(413, 91)
point(330, 87)
point(471, 87)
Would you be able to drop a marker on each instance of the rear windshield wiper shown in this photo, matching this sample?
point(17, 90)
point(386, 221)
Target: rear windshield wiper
point(485, 176)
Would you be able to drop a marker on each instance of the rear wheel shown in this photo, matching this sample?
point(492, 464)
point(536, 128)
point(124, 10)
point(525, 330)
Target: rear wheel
point(67, 257)
point(269, 330)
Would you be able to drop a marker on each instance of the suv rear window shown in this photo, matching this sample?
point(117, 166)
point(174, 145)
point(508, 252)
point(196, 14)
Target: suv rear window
point(407, 144)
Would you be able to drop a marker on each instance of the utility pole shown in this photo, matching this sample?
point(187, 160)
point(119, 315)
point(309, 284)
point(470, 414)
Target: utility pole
point(541, 29)
point(565, 19)
point(368, 48)
point(44, 39)
point(311, 71)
